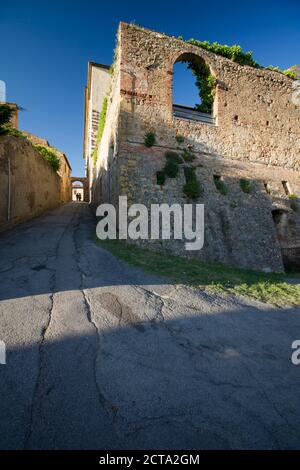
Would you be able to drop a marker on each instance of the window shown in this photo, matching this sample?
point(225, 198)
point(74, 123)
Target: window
point(194, 89)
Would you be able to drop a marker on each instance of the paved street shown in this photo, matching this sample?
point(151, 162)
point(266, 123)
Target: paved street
point(102, 356)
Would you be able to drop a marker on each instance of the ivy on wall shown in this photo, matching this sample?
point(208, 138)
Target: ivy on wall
point(101, 125)
point(236, 54)
point(206, 82)
point(49, 154)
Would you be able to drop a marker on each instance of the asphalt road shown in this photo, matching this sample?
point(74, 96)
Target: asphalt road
point(102, 356)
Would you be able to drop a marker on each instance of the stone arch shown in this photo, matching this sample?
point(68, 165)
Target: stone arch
point(84, 181)
point(189, 57)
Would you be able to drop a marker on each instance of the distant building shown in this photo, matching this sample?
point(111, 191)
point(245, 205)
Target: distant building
point(97, 88)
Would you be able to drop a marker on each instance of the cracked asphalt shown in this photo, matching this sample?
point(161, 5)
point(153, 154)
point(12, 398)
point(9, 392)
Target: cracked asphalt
point(103, 356)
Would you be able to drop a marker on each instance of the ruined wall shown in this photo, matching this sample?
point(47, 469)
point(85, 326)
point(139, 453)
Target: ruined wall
point(256, 119)
point(255, 136)
point(35, 186)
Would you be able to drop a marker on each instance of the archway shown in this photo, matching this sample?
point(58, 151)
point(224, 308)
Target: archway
point(194, 87)
point(77, 191)
point(79, 186)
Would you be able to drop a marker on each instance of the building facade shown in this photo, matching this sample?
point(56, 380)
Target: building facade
point(249, 144)
point(99, 78)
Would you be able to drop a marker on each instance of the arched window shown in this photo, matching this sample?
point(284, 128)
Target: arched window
point(194, 89)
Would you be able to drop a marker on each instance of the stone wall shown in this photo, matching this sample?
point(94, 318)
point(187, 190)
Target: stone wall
point(34, 185)
point(64, 170)
point(256, 119)
point(255, 136)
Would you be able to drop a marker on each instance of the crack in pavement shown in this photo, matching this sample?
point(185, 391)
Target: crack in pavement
point(107, 405)
point(52, 285)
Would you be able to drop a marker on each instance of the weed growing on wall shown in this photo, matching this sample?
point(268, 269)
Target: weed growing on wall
point(179, 138)
point(245, 185)
point(188, 155)
point(150, 139)
point(6, 113)
point(220, 185)
point(49, 155)
point(236, 54)
point(192, 188)
point(293, 202)
point(102, 120)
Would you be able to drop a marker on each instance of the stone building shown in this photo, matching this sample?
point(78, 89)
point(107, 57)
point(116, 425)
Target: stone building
point(96, 90)
point(249, 144)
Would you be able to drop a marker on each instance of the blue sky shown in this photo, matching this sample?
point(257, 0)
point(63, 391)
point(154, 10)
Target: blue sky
point(45, 46)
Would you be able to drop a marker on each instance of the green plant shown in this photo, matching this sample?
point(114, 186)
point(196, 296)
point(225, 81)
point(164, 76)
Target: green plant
point(220, 185)
point(7, 129)
point(179, 138)
point(160, 177)
point(6, 113)
point(293, 202)
point(206, 84)
point(192, 188)
point(49, 155)
point(150, 139)
point(188, 155)
point(292, 72)
point(171, 169)
point(245, 185)
point(236, 54)
point(173, 156)
point(102, 119)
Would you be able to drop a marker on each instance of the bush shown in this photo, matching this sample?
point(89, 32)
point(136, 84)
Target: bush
point(188, 155)
point(192, 188)
point(293, 202)
point(150, 139)
point(234, 52)
point(7, 129)
point(237, 54)
point(171, 169)
point(6, 113)
point(179, 138)
point(245, 185)
point(220, 185)
point(160, 177)
point(174, 157)
point(49, 155)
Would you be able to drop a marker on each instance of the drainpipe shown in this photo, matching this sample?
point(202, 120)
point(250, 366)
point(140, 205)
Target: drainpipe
point(9, 184)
